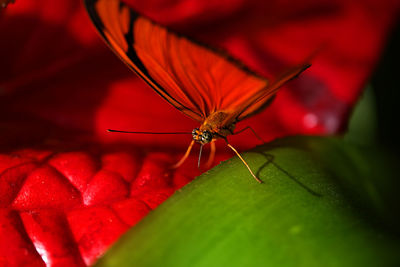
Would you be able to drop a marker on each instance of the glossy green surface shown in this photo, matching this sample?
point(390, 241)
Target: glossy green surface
point(324, 203)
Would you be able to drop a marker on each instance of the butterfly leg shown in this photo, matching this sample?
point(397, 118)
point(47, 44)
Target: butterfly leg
point(182, 160)
point(254, 132)
point(244, 162)
point(211, 157)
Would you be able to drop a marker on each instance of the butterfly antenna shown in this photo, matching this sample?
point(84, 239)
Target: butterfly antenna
point(198, 161)
point(118, 131)
point(182, 160)
point(245, 163)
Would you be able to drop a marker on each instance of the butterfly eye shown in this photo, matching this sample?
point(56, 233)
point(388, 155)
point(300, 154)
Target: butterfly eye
point(206, 137)
point(195, 132)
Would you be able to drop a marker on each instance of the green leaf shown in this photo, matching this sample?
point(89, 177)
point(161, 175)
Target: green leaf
point(323, 203)
point(363, 124)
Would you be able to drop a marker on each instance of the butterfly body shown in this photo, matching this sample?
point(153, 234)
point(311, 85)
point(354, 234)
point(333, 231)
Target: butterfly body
point(219, 124)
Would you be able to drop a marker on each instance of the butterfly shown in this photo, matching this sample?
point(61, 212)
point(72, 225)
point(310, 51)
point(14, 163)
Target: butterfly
point(207, 85)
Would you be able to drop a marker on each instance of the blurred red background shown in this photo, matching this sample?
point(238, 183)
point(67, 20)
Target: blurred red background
point(55, 67)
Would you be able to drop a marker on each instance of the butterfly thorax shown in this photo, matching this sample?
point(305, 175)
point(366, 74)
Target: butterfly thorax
point(214, 126)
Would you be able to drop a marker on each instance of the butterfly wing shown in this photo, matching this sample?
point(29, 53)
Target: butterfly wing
point(263, 98)
point(192, 77)
point(118, 25)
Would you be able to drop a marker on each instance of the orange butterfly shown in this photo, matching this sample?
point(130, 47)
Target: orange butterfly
point(208, 86)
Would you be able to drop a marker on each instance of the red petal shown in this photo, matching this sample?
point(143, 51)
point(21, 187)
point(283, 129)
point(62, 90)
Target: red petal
point(154, 174)
point(16, 248)
point(78, 167)
point(123, 163)
point(131, 210)
point(46, 188)
point(95, 229)
point(52, 238)
point(11, 180)
point(105, 187)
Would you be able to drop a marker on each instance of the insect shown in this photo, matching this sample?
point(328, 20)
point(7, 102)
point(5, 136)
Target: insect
point(207, 85)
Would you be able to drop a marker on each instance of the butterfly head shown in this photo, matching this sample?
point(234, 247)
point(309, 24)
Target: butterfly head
point(202, 136)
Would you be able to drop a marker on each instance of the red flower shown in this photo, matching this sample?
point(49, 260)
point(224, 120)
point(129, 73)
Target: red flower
point(68, 189)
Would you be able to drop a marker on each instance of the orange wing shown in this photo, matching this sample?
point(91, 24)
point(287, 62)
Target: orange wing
point(193, 78)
